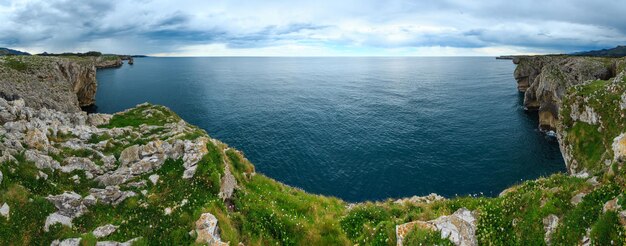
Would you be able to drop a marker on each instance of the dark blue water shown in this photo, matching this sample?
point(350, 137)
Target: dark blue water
point(355, 128)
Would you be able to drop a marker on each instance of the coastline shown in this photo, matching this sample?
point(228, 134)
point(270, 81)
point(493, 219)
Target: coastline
point(248, 207)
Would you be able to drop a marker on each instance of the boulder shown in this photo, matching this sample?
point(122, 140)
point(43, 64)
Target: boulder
point(68, 204)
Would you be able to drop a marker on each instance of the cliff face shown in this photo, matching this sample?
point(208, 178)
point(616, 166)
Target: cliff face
point(60, 83)
point(545, 79)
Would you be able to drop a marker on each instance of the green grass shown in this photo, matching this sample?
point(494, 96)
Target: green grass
point(426, 238)
point(144, 114)
point(16, 64)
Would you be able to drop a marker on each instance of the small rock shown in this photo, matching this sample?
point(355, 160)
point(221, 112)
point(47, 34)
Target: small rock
point(154, 178)
point(577, 198)
point(104, 230)
point(611, 206)
point(43, 175)
point(1, 177)
point(4, 210)
point(168, 211)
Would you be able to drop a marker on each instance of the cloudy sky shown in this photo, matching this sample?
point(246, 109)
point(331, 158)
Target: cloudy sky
point(312, 28)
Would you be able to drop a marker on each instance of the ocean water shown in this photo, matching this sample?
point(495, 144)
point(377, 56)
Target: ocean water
point(355, 128)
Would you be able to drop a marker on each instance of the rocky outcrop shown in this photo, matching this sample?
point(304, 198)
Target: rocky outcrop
point(60, 83)
point(459, 227)
point(544, 81)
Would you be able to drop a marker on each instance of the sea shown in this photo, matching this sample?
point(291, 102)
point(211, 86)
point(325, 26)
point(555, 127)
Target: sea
point(357, 128)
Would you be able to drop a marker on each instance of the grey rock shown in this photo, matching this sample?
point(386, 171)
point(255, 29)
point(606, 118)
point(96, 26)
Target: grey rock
point(56, 218)
point(154, 178)
point(41, 160)
point(66, 242)
point(207, 230)
point(578, 198)
point(5, 210)
point(104, 230)
point(113, 243)
point(37, 139)
point(550, 223)
point(68, 204)
point(111, 195)
point(459, 227)
point(129, 155)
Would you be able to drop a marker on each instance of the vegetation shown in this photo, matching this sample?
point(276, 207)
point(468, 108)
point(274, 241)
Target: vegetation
point(265, 212)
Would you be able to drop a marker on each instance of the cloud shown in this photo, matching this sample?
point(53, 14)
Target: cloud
point(349, 27)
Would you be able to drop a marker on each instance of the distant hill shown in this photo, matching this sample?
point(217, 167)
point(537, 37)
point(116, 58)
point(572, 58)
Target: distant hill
point(7, 51)
point(619, 51)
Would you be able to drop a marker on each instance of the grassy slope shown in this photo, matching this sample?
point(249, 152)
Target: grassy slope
point(264, 212)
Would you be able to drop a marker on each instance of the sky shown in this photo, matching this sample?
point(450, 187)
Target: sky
point(313, 28)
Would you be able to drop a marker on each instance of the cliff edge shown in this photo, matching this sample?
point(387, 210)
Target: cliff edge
point(60, 83)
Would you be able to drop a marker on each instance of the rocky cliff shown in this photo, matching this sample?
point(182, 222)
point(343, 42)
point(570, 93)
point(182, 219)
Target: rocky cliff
point(60, 83)
point(145, 176)
point(545, 79)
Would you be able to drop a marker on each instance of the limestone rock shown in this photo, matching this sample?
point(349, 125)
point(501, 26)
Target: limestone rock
point(5, 210)
point(432, 197)
point(68, 204)
point(459, 227)
point(41, 160)
point(619, 147)
point(207, 230)
point(154, 178)
point(111, 195)
point(129, 155)
point(99, 119)
point(550, 224)
point(113, 243)
point(1, 176)
point(37, 139)
point(56, 218)
point(104, 230)
point(66, 242)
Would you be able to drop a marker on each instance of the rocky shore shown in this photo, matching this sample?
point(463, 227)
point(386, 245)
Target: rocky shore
point(145, 176)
